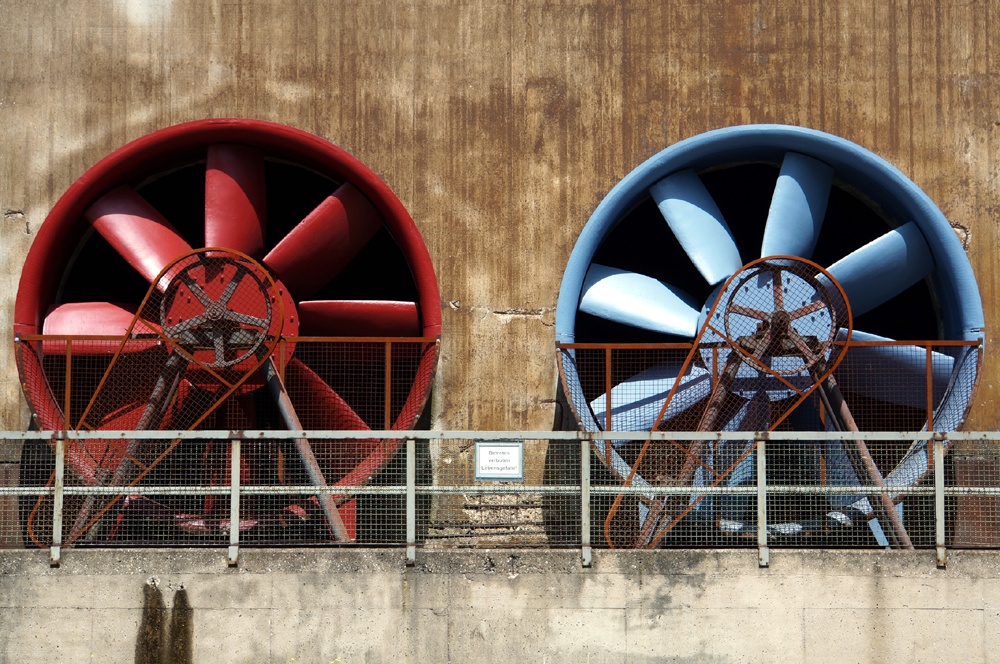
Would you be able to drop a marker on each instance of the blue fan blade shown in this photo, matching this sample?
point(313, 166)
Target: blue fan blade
point(883, 268)
point(637, 300)
point(897, 374)
point(798, 206)
point(697, 223)
point(636, 402)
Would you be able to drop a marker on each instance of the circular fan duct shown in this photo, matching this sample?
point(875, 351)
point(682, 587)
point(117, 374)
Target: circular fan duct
point(654, 262)
point(288, 266)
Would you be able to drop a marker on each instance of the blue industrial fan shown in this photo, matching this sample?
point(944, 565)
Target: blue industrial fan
point(654, 256)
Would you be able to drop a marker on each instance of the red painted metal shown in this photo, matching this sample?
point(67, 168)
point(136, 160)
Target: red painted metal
point(359, 318)
point(324, 242)
point(234, 152)
point(235, 205)
point(65, 225)
point(137, 231)
point(86, 320)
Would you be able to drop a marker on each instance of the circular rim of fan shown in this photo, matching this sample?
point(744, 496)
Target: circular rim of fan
point(161, 151)
point(58, 235)
point(957, 305)
point(884, 184)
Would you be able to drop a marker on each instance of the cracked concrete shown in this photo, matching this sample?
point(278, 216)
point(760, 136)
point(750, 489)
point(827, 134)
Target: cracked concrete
point(502, 605)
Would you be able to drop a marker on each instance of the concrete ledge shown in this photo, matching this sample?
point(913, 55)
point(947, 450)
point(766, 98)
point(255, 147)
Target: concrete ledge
point(500, 605)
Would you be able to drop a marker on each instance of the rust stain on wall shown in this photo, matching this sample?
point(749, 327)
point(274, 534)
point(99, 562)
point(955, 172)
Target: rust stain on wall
point(502, 125)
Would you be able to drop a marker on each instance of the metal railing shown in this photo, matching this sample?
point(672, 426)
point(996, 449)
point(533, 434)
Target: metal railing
point(440, 491)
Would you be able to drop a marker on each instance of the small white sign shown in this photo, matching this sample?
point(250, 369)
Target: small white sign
point(499, 461)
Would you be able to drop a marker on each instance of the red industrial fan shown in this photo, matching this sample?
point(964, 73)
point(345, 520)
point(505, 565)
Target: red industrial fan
point(243, 275)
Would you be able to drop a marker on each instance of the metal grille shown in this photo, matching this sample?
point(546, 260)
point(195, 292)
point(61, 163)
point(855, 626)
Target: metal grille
point(684, 491)
point(541, 508)
point(216, 451)
point(130, 489)
point(431, 496)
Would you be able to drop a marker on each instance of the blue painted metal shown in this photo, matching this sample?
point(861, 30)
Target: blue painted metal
point(798, 207)
point(883, 268)
point(896, 374)
point(697, 223)
point(637, 300)
point(952, 278)
point(924, 246)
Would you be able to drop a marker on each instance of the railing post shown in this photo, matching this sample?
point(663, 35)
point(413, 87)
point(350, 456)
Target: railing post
point(763, 553)
point(585, 551)
point(55, 551)
point(411, 502)
point(234, 502)
point(939, 541)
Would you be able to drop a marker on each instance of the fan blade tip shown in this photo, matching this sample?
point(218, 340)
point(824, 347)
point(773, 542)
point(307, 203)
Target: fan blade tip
point(637, 300)
point(883, 268)
point(136, 231)
point(235, 198)
point(323, 243)
point(798, 206)
point(696, 221)
point(359, 318)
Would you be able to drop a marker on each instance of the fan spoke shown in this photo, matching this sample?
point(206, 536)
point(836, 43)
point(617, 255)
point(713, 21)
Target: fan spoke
point(883, 268)
point(749, 312)
point(798, 206)
point(807, 309)
point(134, 228)
point(235, 205)
point(338, 529)
point(697, 223)
point(324, 242)
point(634, 299)
point(359, 318)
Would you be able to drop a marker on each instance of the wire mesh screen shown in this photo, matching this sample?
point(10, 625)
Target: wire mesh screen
point(530, 498)
point(181, 501)
point(18, 494)
point(359, 505)
point(701, 492)
point(157, 485)
point(136, 384)
point(814, 495)
point(972, 478)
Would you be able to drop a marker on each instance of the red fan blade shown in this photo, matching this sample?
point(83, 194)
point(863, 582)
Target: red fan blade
point(324, 242)
point(136, 231)
point(320, 408)
point(90, 319)
point(235, 205)
point(359, 318)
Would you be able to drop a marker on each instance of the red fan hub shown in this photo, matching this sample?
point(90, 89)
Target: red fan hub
point(225, 311)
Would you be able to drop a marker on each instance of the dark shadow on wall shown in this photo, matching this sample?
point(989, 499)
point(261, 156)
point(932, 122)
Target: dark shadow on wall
point(157, 643)
point(181, 642)
point(149, 646)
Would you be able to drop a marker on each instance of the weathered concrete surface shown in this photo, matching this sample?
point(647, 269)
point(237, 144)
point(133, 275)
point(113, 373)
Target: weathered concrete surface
point(501, 125)
point(504, 605)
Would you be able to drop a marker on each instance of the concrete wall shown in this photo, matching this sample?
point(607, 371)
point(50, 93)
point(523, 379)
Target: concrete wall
point(502, 606)
point(500, 125)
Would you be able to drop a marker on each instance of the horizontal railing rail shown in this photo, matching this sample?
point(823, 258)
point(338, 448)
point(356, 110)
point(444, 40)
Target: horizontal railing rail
point(558, 498)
